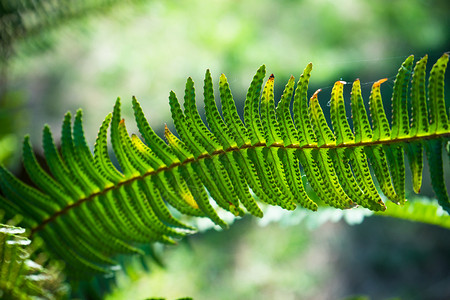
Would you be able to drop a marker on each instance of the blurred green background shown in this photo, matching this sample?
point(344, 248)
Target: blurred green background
point(64, 55)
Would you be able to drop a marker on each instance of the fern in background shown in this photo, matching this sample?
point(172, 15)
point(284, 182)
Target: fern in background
point(21, 277)
point(25, 19)
point(87, 211)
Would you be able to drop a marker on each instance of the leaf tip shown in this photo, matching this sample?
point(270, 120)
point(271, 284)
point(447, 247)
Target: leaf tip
point(316, 93)
point(379, 82)
point(68, 115)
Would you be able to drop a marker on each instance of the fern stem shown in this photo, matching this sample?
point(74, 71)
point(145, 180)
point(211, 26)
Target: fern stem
point(220, 152)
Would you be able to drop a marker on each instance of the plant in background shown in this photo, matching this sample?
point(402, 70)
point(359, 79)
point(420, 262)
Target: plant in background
point(87, 211)
point(24, 20)
point(21, 277)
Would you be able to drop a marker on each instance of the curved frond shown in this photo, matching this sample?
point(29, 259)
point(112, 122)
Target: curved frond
point(88, 210)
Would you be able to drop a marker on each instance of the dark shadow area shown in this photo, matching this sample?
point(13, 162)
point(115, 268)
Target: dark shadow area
point(387, 258)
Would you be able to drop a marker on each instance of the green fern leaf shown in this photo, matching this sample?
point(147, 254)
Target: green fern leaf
point(438, 112)
point(339, 121)
point(284, 118)
point(216, 123)
point(101, 157)
point(268, 116)
point(419, 122)
point(84, 155)
point(300, 107)
point(361, 125)
point(88, 211)
point(251, 109)
point(41, 178)
point(230, 115)
point(205, 137)
point(400, 123)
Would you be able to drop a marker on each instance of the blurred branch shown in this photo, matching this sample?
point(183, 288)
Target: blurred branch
point(23, 19)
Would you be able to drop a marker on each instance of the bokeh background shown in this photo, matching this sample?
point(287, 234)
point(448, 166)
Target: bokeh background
point(64, 55)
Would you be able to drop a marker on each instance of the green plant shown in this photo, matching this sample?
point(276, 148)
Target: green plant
point(87, 211)
point(21, 277)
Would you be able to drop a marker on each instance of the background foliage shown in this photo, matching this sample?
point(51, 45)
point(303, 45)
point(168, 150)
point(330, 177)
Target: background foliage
point(150, 47)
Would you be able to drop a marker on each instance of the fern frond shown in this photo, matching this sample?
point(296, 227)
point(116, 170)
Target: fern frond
point(88, 210)
point(420, 210)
